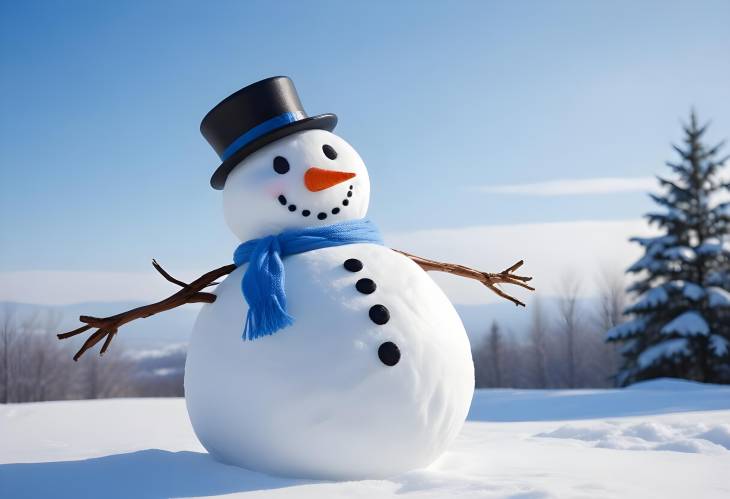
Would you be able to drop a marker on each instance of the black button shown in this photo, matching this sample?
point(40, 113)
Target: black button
point(389, 353)
point(282, 199)
point(379, 314)
point(353, 265)
point(365, 286)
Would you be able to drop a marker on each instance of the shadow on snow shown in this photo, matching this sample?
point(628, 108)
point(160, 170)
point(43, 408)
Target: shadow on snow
point(146, 474)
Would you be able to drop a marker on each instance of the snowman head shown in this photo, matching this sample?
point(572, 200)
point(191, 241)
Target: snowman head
point(280, 168)
point(306, 179)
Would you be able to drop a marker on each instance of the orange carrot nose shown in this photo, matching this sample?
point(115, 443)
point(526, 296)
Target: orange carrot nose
point(319, 179)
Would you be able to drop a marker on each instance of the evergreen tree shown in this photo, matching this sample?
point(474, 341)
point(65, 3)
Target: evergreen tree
point(680, 321)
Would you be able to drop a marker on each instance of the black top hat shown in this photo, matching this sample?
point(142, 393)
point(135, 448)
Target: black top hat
point(254, 116)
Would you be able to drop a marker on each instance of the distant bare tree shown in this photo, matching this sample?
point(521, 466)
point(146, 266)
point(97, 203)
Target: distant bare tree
point(21, 348)
point(569, 325)
point(482, 362)
point(517, 362)
point(612, 302)
point(35, 362)
point(538, 343)
point(7, 335)
point(34, 366)
point(43, 361)
point(110, 376)
point(612, 297)
point(495, 350)
point(488, 359)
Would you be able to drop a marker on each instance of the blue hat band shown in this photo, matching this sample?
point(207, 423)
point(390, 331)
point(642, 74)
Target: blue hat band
point(260, 130)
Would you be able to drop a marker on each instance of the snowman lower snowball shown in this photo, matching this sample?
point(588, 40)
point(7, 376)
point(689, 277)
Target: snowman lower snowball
point(323, 354)
point(336, 395)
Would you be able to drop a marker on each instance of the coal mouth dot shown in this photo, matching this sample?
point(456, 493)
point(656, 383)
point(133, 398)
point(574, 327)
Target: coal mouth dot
point(322, 215)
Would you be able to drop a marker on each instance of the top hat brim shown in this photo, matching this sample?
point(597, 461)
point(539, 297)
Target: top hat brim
point(320, 122)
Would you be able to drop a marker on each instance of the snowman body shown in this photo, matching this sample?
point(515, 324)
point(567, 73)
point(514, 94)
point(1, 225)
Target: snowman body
point(318, 398)
point(315, 400)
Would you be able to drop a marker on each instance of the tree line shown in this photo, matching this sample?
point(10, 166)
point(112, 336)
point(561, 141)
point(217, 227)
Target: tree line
point(563, 345)
point(36, 367)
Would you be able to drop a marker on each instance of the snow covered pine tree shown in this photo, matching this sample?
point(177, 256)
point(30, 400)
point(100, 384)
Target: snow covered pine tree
point(680, 323)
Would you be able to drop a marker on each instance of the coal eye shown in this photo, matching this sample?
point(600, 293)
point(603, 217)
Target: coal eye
point(329, 151)
point(389, 353)
point(281, 165)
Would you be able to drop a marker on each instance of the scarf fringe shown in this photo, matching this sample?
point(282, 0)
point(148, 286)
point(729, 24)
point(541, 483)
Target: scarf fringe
point(265, 320)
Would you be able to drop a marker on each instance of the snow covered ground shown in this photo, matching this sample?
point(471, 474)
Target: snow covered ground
point(663, 438)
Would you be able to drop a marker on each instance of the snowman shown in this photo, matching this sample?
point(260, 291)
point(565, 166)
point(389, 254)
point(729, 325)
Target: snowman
point(323, 354)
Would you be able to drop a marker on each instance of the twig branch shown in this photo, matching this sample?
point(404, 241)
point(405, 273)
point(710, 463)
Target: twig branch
point(107, 327)
point(489, 279)
point(167, 276)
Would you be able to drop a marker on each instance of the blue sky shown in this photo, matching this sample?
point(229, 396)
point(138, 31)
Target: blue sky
point(103, 166)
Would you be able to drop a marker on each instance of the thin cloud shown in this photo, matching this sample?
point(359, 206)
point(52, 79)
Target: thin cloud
point(551, 252)
point(575, 187)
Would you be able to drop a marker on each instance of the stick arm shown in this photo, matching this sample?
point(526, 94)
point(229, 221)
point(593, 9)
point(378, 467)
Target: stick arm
point(488, 279)
point(107, 327)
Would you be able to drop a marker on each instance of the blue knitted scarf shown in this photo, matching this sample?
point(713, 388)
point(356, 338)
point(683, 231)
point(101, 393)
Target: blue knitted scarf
point(263, 282)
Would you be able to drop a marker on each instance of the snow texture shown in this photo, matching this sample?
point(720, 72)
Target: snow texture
point(713, 246)
point(678, 437)
point(689, 323)
point(659, 249)
point(719, 345)
point(679, 253)
point(651, 299)
point(693, 291)
point(663, 241)
point(718, 297)
point(663, 350)
point(664, 438)
point(716, 278)
point(646, 262)
point(627, 328)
